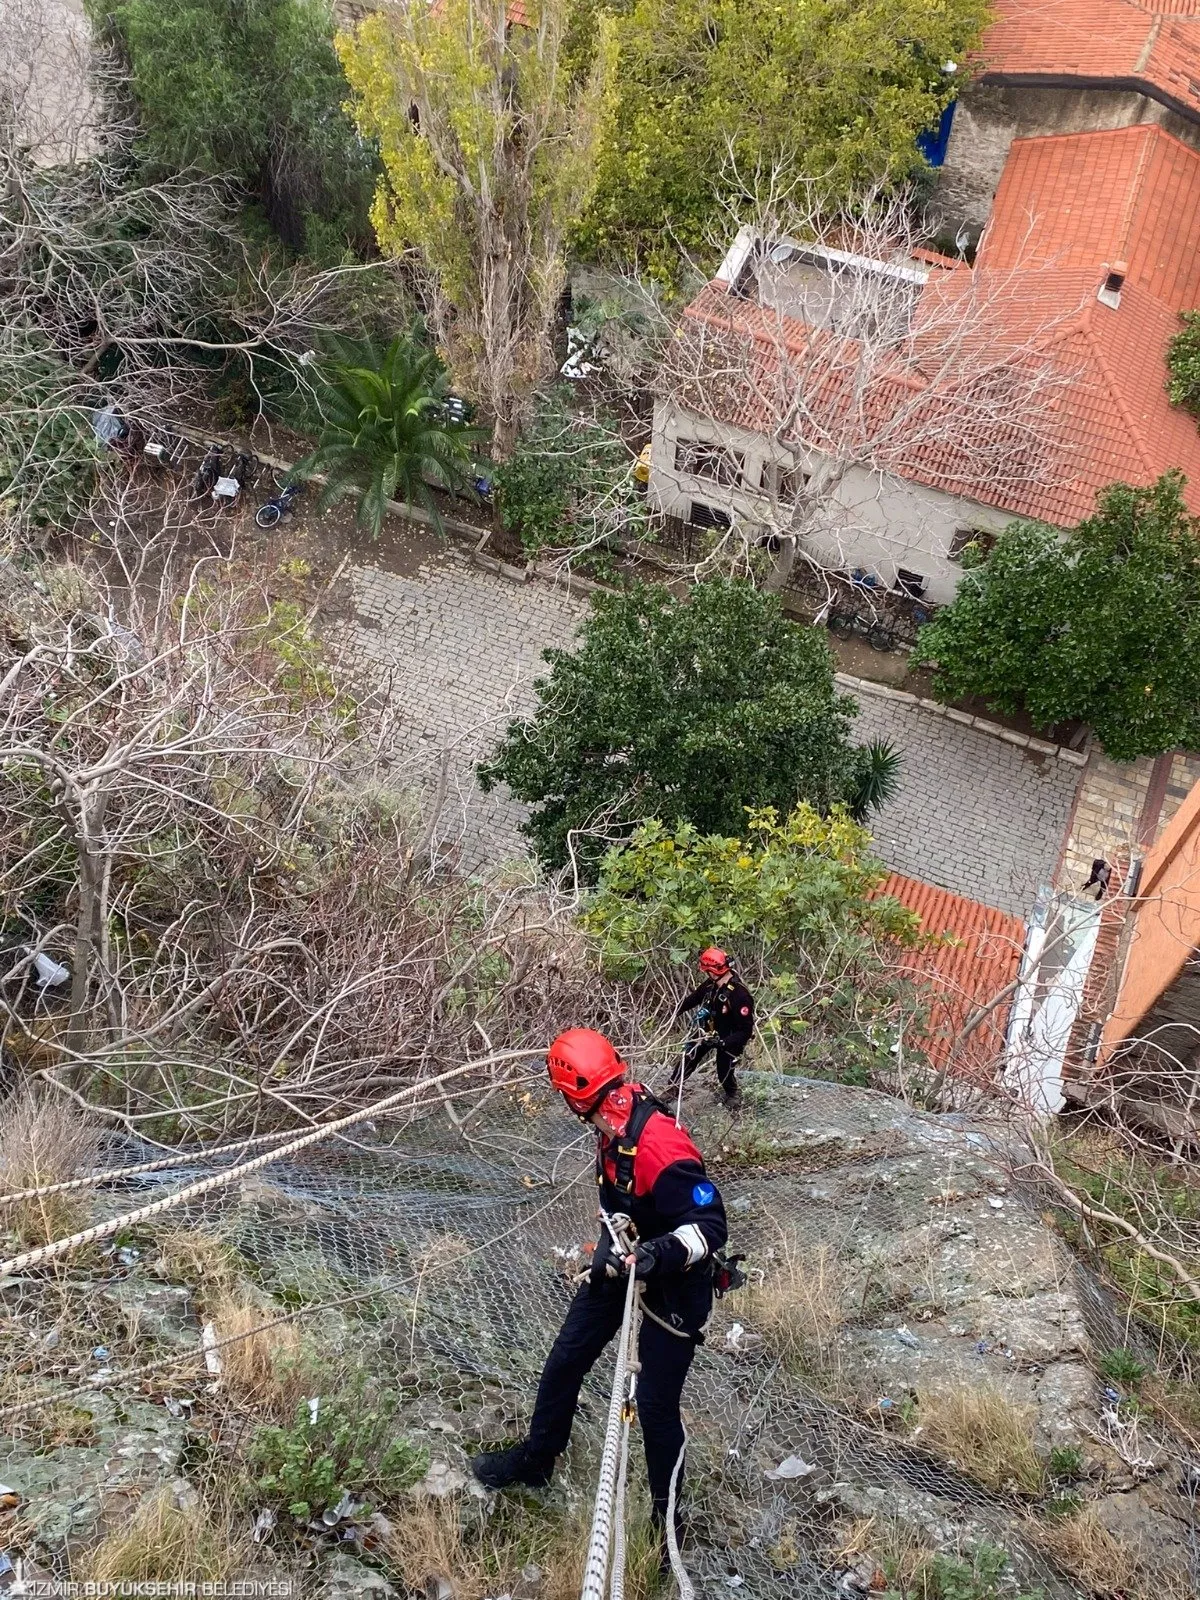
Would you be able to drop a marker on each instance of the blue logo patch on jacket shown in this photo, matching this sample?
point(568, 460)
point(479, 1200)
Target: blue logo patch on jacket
point(704, 1194)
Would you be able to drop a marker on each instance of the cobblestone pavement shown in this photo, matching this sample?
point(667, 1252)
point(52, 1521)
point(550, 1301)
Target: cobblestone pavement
point(455, 650)
point(974, 814)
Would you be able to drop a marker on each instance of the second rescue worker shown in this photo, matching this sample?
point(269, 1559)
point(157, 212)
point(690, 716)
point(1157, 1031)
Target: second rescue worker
point(725, 1009)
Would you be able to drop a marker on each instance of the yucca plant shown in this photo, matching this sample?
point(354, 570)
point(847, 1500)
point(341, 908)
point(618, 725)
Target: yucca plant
point(386, 431)
point(877, 779)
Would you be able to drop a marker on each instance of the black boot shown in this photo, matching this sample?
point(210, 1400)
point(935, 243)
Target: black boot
point(500, 1469)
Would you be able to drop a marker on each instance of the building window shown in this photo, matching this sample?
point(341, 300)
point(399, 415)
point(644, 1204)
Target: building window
point(976, 540)
point(788, 483)
point(702, 516)
point(697, 459)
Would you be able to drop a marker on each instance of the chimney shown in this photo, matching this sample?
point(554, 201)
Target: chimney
point(1109, 293)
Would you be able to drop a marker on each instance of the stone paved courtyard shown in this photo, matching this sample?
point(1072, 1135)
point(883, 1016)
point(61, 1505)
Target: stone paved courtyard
point(455, 649)
point(974, 814)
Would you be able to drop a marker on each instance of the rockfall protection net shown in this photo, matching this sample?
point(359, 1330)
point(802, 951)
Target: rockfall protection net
point(453, 1251)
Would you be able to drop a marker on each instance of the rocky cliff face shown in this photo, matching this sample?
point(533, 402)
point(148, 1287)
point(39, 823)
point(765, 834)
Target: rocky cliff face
point(913, 1373)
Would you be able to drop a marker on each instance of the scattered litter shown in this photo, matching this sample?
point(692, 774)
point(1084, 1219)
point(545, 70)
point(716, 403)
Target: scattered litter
point(264, 1522)
point(314, 1409)
point(1189, 1479)
point(736, 1338)
point(741, 1205)
point(790, 1467)
point(996, 1205)
point(6, 1566)
point(127, 1255)
point(346, 1507)
point(101, 1353)
point(174, 1409)
point(441, 1480)
point(212, 1356)
point(885, 1402)
point(733, 1580)
point(8, 1498)
point(52, 1340)
point(186, 1495)
point(907, 1337)
point(438, 1587)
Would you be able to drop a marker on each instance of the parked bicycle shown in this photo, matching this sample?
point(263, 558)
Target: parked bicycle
point(280, 505)
point(245, 470)
point(894, 616)
point(204, 480)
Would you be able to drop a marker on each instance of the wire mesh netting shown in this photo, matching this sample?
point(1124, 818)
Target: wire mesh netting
point(443, 1256)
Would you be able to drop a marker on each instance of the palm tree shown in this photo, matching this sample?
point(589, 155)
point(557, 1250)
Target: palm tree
point(386, 430)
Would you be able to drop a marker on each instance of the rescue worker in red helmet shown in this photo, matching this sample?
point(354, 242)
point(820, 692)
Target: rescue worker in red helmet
point(648, 1168)
point(726, 1009)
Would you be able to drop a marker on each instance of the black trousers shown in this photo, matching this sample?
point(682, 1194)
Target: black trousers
point(727, 1061)
point(592, 1320)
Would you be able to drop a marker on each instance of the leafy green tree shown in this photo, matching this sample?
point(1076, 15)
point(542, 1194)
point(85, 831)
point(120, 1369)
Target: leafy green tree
point(385, 432)
point(488, 133)
point(796, 900)
point(1183, 364)
point(682, 710)
point(250, 90)
point(1102, 625)
point(568, 483)
point(713, 91)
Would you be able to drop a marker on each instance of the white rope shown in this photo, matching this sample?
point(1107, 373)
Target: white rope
point(109, 1175)
point(686, 1589)
point(104, 1230)
point(595, 1572)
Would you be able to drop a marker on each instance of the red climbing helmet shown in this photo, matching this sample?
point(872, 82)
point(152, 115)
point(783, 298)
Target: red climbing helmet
point(583, 1065)
point(714, 962)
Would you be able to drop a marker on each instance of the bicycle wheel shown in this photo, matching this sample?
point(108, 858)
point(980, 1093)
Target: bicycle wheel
point(267, 516)
point(880, 638)
point(841, 624)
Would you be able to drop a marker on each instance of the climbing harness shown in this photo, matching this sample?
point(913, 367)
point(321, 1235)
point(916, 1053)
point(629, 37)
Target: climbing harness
point(644, 1106)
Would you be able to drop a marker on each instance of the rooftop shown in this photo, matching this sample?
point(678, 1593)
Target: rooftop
point(1152, 46)
point(979, 959)
point(1092, 249)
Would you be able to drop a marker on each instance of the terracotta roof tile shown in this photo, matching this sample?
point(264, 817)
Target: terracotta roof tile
point(1066, 209)
point(1089, 199)
point(1151, 43)
point(982, 956)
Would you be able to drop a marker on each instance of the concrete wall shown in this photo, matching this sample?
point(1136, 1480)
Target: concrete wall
point(1166, 923)
point(869, 520)
point(990, 116)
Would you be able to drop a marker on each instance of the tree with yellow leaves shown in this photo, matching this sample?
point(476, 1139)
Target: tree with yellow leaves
point(489, 115)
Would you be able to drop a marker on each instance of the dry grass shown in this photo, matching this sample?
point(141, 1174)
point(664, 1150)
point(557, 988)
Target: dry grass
point(44, 1139)
point(167, 1543)
point(984, 1434)
point(264, 1370)
point(799, 1306)
point(484, 1556)
point(205, 1262)
point(1087, 1552)
point(894, 1550)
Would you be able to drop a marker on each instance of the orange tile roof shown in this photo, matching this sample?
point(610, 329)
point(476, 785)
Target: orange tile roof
point(1150, 45)
point(1089, 199)
point(981, 957)
point(1067, 208)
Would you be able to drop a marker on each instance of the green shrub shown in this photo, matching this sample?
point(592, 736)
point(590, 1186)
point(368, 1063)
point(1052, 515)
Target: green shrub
point(1183, 364)
point(350, 1446)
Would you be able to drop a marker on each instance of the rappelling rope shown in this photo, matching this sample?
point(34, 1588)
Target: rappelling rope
point(686, 1590)
point(595, 1572)
point(181, 1158)
point(104, 1230)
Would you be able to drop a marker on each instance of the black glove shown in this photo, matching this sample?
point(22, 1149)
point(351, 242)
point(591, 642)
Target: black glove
point(606, 1263)
point(667, 1254)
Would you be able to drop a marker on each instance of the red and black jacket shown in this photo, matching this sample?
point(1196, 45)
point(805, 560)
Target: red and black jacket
point(729, 1011)
point(655, 1175)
